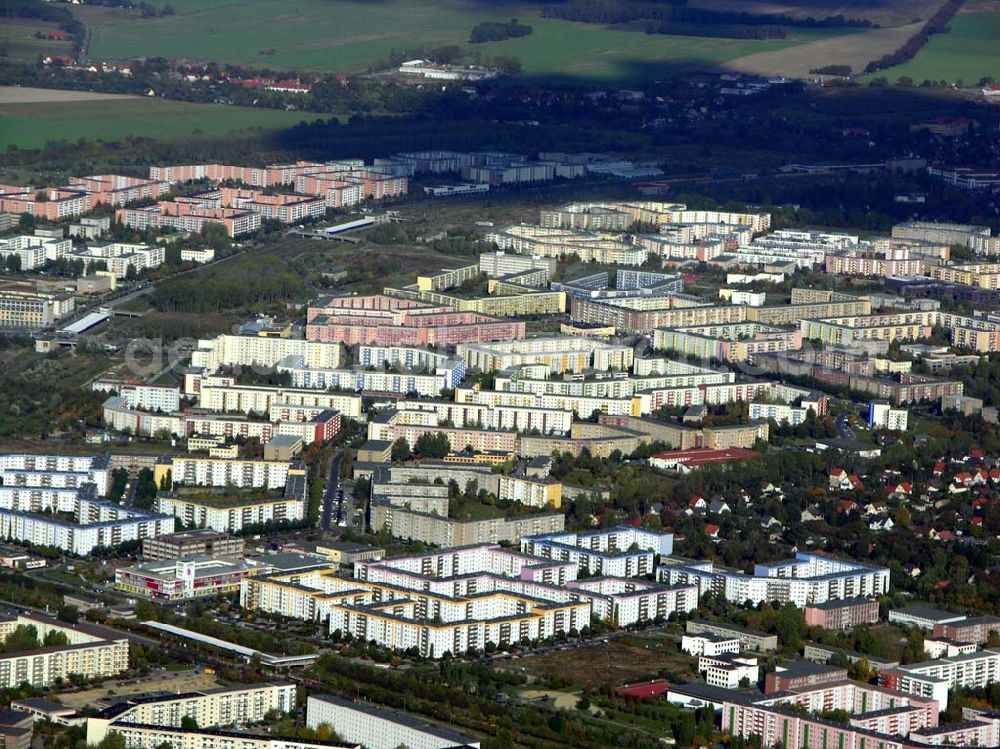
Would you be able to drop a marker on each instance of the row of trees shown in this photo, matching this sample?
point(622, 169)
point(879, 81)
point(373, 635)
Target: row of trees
point(676, 11)
point(937, 24)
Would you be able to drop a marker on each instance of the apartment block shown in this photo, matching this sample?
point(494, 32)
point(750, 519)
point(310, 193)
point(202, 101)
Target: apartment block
point(379, 727)
point(618, 552)
point(977, 629)
point(196, 543)
point(26, 305)
point(211, 708)
point(842, 614)
point(386, 321)
point(807, 579)
point(935, 678)
point(119, 257)
point(587, 247)
point(558, 353)
point(190, 470)
point(233, 515)
point(33, 251)
point(189, 217)
point(531, 492)
point(90, 652)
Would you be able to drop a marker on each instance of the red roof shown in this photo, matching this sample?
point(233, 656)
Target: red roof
point(644, 690)
point(711, 529)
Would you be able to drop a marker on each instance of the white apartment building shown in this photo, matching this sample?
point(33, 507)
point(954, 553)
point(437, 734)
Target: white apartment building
point(379, 727)
point(461, 598)
point(119, 257)
point(779, 412)
point(427, 385)
point(95, 523)
point(206, 255)
point(934, 679)
point(118, 415)
point(559, 353)
point(90, 652)
point(231, 518)
point(163, 398)
point(501, 264)
point(38, 491)
point(617, 552)
point(265, 351)
point(588, 247)
point(709, 645)
point(729, 671)
point(32, 251)
point(259, 398)
point(808, 578)
point(883, 416)
point(198, 471)
point(225, 706)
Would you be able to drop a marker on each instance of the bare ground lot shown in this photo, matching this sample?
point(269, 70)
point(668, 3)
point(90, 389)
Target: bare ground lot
point(881, 12)
point(28, 95)
point(856, 50)
point(611, 663)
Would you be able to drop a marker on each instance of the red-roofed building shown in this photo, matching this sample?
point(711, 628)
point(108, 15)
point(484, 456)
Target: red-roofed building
point(712, 530)
point(645, 690)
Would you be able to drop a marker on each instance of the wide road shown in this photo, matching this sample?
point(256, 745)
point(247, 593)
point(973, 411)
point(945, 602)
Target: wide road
point(330, 495)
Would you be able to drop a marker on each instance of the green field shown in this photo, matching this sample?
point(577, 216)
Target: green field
point(969, 51)
point(351, 35)
point(33, 125)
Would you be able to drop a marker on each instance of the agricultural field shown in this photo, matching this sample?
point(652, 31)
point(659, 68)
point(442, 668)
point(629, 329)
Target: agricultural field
point(18, 40)
point(322, 35)
point(968, 52)
point(30, 121)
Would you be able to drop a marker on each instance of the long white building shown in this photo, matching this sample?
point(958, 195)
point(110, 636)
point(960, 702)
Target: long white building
point(618, 552)
point(38, 492)
point(90, 652)
point(378, 727)
point(806, 579)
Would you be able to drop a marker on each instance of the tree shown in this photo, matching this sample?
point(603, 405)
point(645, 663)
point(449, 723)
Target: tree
point(167, 482)
point(113, 740)
point(401, 450)
point(68, 613)
point(189, 722)
point(435, 445)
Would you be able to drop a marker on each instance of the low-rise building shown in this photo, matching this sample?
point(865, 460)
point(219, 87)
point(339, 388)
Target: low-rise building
point(172, 580)
point(709, 645)
point(923, 616)
point(749, 640)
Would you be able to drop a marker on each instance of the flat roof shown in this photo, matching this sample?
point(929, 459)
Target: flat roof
point(923, 611)
point(404, 719)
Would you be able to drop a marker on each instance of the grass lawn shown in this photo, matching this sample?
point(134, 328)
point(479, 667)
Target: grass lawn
point(339, 35)
point(969, 51)
point(33, 125)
